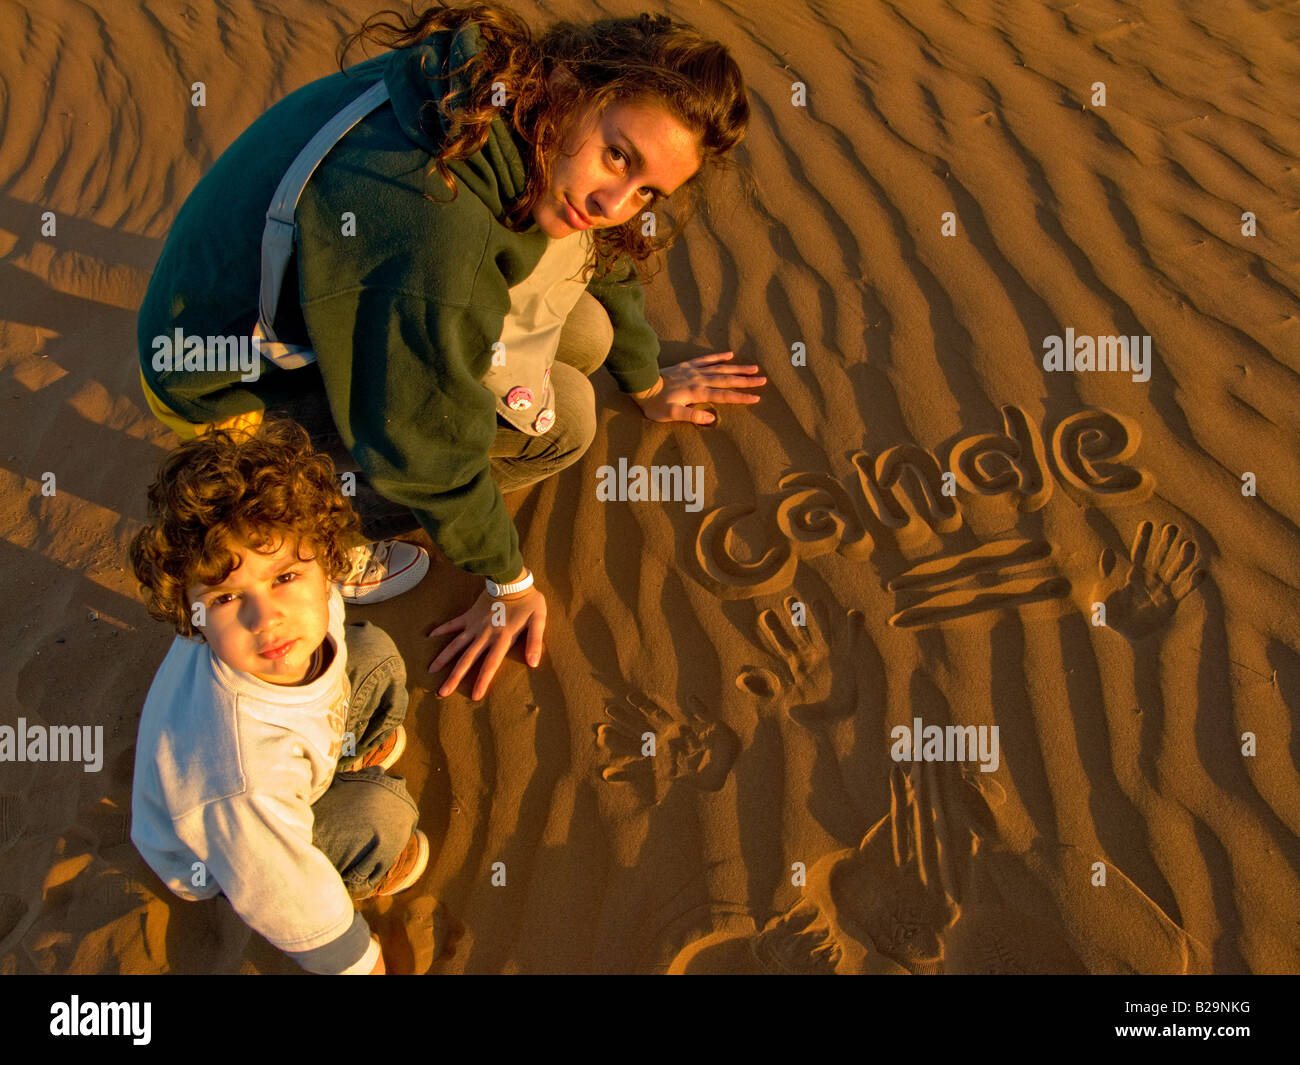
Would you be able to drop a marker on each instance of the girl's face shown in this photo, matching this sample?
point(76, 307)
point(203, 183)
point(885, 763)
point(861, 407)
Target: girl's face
point(615, 166)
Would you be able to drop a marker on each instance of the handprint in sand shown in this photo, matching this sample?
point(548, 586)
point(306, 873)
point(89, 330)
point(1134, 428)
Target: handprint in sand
point(823, 677)
point(1157, 579)
point(651, 748)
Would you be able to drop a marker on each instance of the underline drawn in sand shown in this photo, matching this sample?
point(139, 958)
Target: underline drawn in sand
point(1158, 578)
point(933, 889)
point(686, 747)
point(821, 681)
point(993, 576)
point(898, 499)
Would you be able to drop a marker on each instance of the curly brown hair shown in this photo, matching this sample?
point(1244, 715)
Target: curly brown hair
point(241, 487)
point(649, 58)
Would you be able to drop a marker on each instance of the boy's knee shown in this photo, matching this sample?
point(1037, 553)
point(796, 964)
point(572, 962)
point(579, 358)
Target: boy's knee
point(382, 803)
point(362, 825)
point(370, 649)
point(377, 676)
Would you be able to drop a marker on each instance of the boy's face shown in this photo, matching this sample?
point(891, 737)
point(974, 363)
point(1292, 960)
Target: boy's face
point(269, 615)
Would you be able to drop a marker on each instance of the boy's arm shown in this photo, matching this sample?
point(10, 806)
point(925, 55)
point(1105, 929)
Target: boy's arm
point(258, 847)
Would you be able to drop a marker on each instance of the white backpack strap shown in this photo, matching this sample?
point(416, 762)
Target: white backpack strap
point(277, 237)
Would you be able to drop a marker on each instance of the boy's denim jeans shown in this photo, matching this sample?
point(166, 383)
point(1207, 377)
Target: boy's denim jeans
point(366, 817)
point(517, 459)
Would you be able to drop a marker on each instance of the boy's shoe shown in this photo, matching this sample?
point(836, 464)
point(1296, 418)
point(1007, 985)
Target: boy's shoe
point(387, 752)
point(383, 569)
point(408, 868)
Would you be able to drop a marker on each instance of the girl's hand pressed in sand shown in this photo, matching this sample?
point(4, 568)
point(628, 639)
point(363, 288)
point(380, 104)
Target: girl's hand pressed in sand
point(698, 380)
point(479, 636)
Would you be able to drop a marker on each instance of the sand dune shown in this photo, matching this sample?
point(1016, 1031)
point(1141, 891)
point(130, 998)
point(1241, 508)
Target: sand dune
point(1121, 745)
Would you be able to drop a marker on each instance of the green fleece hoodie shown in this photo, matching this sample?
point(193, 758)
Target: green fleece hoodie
point(402, 315)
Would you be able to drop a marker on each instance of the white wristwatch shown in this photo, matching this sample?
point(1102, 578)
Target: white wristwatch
point(497, 590)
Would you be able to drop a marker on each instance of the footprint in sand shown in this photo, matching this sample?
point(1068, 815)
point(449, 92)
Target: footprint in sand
point(687, 747)
point(824, 678)
point(1157, 580)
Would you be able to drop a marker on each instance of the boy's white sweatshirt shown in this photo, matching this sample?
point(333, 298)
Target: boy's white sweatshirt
point(226, 770)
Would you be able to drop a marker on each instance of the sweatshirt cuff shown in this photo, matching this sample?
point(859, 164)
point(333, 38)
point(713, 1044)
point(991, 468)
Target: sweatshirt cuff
point(339, 954)
point(367, 963)
point(502, 567)
point(635, 379)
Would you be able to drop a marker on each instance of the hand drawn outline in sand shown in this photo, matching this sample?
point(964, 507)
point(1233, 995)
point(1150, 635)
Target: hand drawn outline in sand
point(687, 747)
point(900, 882)
point(898, 496)
point(933, 888)
point(1158, 578)
point(884, 905)
point(825, 679)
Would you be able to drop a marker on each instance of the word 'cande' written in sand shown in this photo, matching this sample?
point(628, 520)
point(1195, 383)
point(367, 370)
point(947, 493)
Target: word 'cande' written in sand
point(657, 484)
point(102, 1018)
point(946, 743)
point(213, 354)
point(53, 743)
point(906, 495)
point(1073, 354)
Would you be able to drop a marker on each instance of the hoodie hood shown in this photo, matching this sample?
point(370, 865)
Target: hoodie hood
point(419, 76)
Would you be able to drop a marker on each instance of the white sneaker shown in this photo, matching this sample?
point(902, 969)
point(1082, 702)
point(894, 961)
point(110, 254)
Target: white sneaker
point(382, 570)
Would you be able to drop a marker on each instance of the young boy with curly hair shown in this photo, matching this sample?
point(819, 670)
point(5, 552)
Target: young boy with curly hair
point(264, 741)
